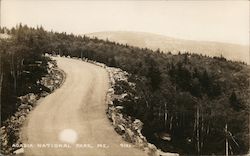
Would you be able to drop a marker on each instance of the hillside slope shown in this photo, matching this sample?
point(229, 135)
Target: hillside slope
point(187, 97)
point(154, 41)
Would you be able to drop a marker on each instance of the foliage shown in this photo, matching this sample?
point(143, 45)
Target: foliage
point(22, 65)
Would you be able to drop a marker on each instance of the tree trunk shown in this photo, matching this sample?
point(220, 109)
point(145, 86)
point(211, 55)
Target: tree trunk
point(159, 113)
point(197, 130)
point(14, 73)
point(226, 140)
point(165, 114)
point(1, 79)
point(202, 131)
point(171, 123)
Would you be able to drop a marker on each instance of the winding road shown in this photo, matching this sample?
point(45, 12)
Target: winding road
point(72, 121)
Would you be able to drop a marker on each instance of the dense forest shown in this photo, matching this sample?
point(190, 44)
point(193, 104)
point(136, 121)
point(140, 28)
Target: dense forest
point(199, 101)
point(22, 65)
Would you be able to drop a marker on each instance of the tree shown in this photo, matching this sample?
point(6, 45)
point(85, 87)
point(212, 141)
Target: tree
point(112, 62)
point(196, 88)
point(235, 102)
point(154, 74)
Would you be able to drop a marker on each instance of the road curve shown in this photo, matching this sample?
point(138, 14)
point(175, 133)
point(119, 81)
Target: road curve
point(74, 117)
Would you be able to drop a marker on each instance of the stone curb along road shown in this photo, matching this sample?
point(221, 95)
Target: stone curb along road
point(72, 120)
point(125, 126)
point(11, 129)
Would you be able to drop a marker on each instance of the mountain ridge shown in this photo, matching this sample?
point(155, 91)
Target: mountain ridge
point(174, 45)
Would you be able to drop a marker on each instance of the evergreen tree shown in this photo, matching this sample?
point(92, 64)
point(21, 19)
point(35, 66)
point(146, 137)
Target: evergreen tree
point(154, 74)
point(235, 102)
point(112, 62)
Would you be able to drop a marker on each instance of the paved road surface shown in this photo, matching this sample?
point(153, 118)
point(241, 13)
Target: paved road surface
point(75, 115)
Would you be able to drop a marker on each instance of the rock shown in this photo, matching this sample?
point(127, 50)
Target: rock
point(58, 76)
point(123, 95)
point(139, 141)
point(110, 103)
point(111, 109)
point(119, 107)
point(142, 137)
point(161, 153)
point(4, 141)
point(129, 136)
point(164, 136)
point(152, 147)
point(137, 124)
point(25, 106)
point(43, 94)
point(119, 119)
point(120, 129)
point(3, 133)
point(19, 151)
point(111, 90)
point(113, 116)
point(132, 85)
point(31, 98)
point(110, 113)
point(12, 118)
point(146, 149)
point(21, 119)
point(3, 128)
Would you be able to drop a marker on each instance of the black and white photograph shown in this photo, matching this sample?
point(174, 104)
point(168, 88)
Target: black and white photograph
point(124, 77)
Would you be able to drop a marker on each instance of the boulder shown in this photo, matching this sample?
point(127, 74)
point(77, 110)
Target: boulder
point(120, 129)
point(142, 137)
point(113, 118)
point(110, 113)
point(4, 139)
point(164, 136)
point(129, 136)
point(25, 106)
point(2, 128)
point(19, 151)
point(111, 109)
point(31, 98)
point(111, 90)
point(58, 76)
point(137, 125)
point(152, 147)
point(161, 153)
point(123, 95)
point(139, 142)
point(43, 94)
point(21, 119)
point(147, 150)
point(110, 103)
point(119, 107)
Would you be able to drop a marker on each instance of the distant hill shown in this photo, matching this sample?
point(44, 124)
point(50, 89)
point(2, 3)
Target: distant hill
point(154, 41)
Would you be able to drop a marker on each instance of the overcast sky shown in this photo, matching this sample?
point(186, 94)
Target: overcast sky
point(224, 21)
